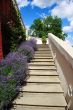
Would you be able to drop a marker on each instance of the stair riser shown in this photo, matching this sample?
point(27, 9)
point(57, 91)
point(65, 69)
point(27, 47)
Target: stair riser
point(41, 64)
point(43, 60)
point(20, 107)
point(43, 57)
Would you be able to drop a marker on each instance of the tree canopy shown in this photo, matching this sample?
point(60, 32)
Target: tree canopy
point(50, 24)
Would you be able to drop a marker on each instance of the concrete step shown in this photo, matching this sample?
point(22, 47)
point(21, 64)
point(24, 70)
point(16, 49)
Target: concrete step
point(42, 88)
point(43, 79)
point(43, 49)
point(43, 57)
point(42, 52)
point(41, 99)
point(42, 64)
point(43, 73)
point(43, 46)
point(20, 107)
point(43, 60)
point(42, 67)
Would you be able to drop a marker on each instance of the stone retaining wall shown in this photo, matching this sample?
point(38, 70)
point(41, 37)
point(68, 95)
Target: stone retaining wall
point(63, 56)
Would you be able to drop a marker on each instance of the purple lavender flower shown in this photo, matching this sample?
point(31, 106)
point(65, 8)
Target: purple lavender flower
point(27, 51)
point(15, 63)
point(31, 43)
point(10, 84)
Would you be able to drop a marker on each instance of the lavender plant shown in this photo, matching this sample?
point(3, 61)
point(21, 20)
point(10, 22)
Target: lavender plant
point(7, 90)
point(13, 70)
point(31, 43)
point(18, 62)
point(27, 51)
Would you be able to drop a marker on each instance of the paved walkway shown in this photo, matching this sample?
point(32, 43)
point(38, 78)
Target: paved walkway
point(43, 90)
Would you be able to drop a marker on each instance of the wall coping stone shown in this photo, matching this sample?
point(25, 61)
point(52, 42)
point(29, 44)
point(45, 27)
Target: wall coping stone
point(65, 49)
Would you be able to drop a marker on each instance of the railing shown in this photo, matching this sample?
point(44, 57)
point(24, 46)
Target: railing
point(63, 56)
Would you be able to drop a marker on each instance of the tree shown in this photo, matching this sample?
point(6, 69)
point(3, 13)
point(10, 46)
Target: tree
point(56, 27)
point(48, 25)
point(37, 27)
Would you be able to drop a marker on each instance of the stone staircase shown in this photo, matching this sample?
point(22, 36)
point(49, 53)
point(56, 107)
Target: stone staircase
point(43, 90)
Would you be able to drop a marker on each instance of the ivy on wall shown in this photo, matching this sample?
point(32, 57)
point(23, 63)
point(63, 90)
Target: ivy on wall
point(16, 28)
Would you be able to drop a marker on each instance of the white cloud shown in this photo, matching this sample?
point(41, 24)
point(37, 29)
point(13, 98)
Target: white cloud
point(41, 3)
point(64, 9)
point(38, 3)
point(43, 15)
point(69, 39)
point(22, 3)
point(68, 28)
point(44, 3)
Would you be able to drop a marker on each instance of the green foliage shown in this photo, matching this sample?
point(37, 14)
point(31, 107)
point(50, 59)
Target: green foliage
point(43, 39)
point(8, 71)
point(7, 92)
point(37, 26)
point(16, 29)
point(48, 25)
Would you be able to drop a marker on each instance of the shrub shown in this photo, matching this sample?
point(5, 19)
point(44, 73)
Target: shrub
point(13, 71)
point(27, 51)
point(17, 63)
point(7, 90)
point(44, 40)
point(31, 43)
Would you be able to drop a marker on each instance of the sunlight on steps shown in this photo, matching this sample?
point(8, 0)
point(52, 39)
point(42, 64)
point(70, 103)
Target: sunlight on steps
point(43, 90)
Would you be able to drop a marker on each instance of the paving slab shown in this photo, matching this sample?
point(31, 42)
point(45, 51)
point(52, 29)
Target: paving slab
point(43, 79)
point(45, 88)
point(43, 73)
point(22, 107)
point(41, 99)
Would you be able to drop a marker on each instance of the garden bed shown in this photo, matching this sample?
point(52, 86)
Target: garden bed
point(14, 72)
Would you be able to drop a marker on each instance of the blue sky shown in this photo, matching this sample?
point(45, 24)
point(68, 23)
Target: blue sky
point(32, 9)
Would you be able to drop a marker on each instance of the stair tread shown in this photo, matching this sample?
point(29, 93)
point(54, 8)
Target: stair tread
point(42, 54)
point(41, 99)
point(43, 57)
point(42, 67)
point(43, 49)
point(41, 63)
point(43, 60)
point(35, 87)
point(44, 79)
point(42, 72)
point(20, 107)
